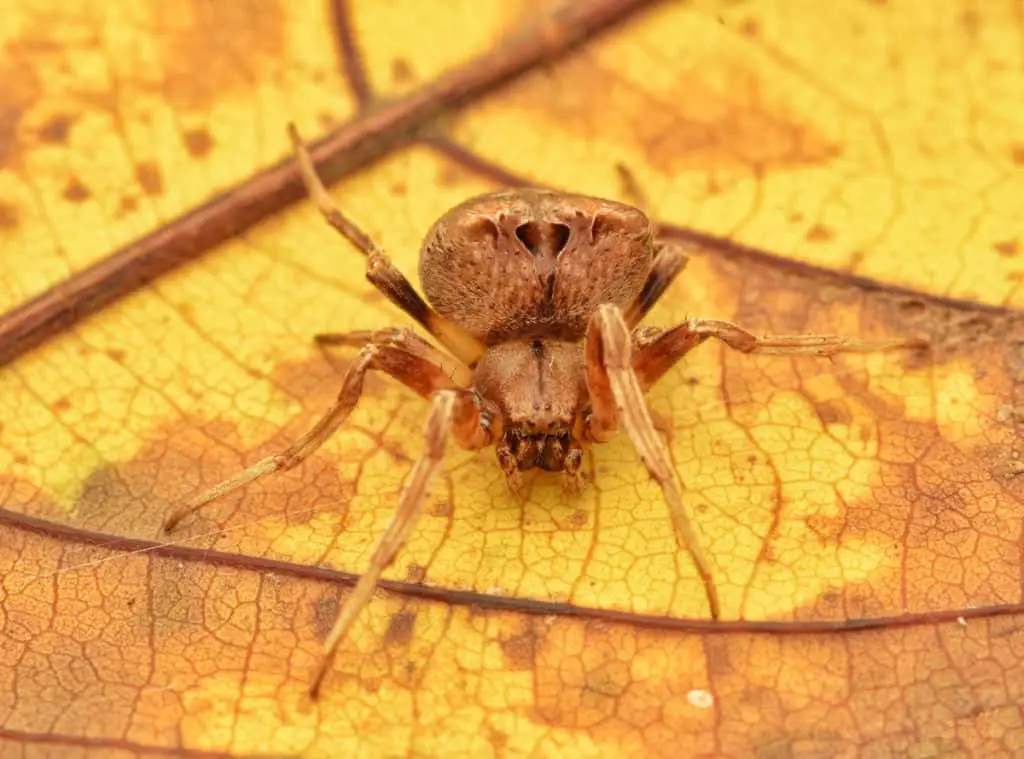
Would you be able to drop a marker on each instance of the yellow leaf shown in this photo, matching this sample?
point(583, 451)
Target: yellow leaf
point(862, 515)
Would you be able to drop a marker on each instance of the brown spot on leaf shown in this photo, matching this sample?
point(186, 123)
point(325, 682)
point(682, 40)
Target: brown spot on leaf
point(578, 519)
point(75, 191)
point(20, 88)
point(235, 45)
point(695, 126)
point(401, 71)
point(162, 474)
point(828, 529)
point(750, 27)
point(865, 433)
point(415, 573)
point(834, 412)
point(325, 611)
point(198, 142)
point(128, 203)
point(56, 129)
point(520, 650)
point(62, 404)
point(1017, 153)
point(970, 22)
point(585, 691)
point(148, 175)
point(441, 508)
point(117, 354)
point(8, 216)
point(819, 233)
point(1008, 248)
point(316, 378)
point(497, 739)
point(913, 307)
point(401, 627)
point(9, 121)
point(398, 454)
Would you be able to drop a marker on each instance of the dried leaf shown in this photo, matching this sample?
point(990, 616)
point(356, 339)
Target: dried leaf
point(862, 515)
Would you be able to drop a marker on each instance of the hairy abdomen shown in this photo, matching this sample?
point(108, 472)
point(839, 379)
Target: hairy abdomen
point(534, 263)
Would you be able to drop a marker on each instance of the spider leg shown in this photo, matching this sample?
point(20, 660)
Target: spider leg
point(668, 262)
point(660, 353)
point(406, 340)
point(414, 371)
point(455, 413)
point(379, 269)
point(616, 396)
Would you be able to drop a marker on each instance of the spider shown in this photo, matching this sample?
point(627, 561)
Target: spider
point(536, 296)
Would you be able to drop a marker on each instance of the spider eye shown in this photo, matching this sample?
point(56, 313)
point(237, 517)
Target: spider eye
point(543, 238)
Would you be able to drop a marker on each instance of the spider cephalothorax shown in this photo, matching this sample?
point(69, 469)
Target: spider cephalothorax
point(536, 298)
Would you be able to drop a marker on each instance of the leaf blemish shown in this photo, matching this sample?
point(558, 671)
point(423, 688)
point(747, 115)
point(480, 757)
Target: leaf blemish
point(56, 129)
point(401, 71)
point(1007, 248)
point(198, 142)
point(834, 412)
point(819, 233)
point(401, 627)
point(415, 573)
point(441, 508)
point(75, 191)
point(520, 650)
point(195, 31)
point(8, 216)
point(325, 609)
point(148, 175)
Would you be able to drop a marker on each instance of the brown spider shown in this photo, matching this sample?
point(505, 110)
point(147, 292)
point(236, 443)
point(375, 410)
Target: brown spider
point(536, 296)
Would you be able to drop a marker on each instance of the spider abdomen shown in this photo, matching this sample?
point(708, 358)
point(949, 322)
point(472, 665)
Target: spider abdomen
point(519, 264)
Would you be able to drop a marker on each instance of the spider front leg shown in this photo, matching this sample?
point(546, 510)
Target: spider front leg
point(379, 269)
point(459, 413)
point(403, 339)
point(660, 353)
point(616, 396)
point(669, 261)
point(416, 372)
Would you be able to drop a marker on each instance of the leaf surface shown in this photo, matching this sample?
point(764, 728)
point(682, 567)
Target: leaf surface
point(862, 515)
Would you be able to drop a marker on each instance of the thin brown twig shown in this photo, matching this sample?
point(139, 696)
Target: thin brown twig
point(351, 146)
point(348, 54)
